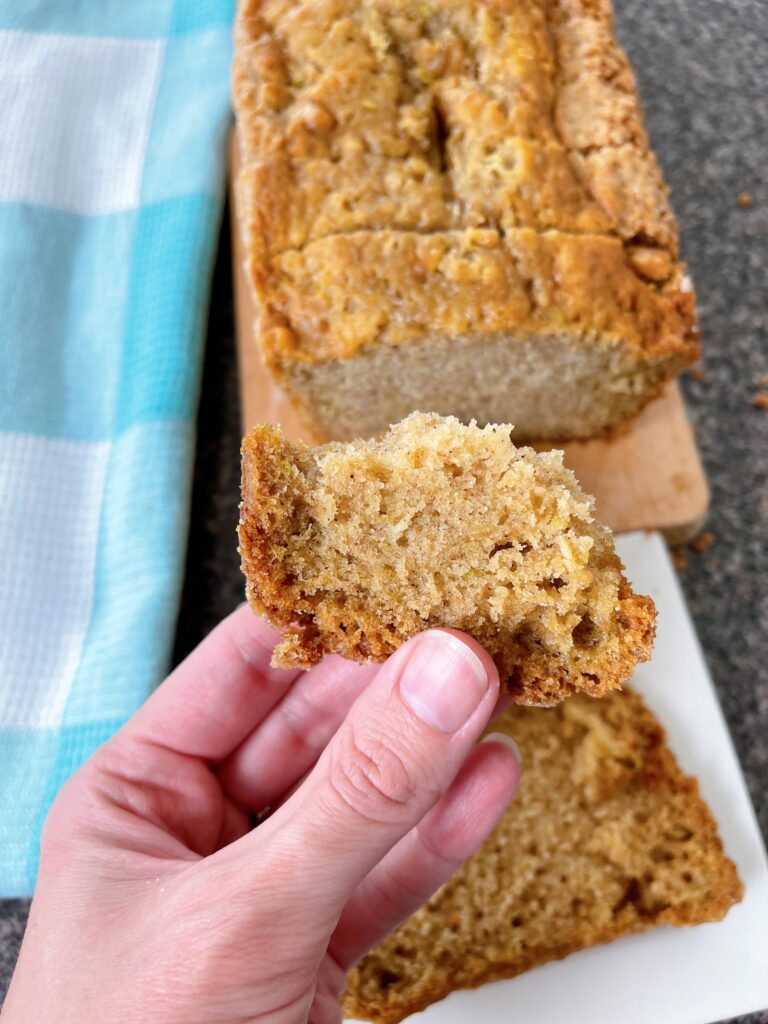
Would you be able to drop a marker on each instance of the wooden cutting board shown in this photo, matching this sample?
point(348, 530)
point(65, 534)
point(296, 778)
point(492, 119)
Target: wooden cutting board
point(648, 478)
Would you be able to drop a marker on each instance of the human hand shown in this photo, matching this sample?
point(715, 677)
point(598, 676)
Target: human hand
point(156, 900)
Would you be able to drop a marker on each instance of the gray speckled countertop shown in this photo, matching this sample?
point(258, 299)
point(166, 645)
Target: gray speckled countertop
point(703, 72)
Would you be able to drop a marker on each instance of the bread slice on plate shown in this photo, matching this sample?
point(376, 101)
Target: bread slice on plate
point(606, 836)
point(355, 547)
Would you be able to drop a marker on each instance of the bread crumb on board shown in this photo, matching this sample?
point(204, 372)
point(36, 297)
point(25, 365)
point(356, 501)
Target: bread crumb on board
point(760, 401)
point(744, 199)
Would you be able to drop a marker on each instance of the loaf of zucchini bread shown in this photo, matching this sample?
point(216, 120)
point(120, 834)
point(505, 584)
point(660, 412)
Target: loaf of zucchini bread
point(451, 206)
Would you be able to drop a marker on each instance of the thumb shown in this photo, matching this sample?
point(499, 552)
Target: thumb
point(390, 761)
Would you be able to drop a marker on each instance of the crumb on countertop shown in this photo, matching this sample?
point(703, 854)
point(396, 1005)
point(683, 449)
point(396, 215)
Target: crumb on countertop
point(679, 560)
point(760, 401)
point(703, 542)
point(744, 199)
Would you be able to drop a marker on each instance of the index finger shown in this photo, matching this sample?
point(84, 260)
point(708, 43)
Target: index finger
point(218, 694)
point(391, 759)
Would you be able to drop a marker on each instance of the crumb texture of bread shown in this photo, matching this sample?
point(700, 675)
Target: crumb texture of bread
point(605, 837)
point(355, 547)
point(415, 173)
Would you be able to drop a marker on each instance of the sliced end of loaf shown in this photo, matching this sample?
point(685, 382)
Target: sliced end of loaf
point(353, 548)
point(555, 387)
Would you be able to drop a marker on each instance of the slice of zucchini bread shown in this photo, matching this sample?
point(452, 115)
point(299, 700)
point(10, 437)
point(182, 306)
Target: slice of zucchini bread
point(605, 837)
point(354, 547)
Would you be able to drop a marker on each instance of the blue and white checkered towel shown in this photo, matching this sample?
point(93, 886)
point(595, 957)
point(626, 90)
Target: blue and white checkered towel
point(113, 123)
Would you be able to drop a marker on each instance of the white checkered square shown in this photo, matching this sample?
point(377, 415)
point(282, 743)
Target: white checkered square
point(75, 119)
point(50, 503)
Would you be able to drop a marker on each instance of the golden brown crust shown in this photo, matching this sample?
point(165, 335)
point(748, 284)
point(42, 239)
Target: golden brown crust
point(514, 556)
point(343, 292)
point(608, 838)
point(362, 121)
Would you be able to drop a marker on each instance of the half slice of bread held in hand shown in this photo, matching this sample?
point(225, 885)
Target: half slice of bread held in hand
point(355, 547)
point(605, 837)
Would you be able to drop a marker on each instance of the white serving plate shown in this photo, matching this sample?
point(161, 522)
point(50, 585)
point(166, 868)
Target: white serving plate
point(667, 975)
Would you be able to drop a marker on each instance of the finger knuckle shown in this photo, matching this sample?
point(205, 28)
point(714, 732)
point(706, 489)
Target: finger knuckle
point(370, 776)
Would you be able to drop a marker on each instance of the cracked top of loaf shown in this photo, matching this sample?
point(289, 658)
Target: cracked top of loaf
point(480, 138)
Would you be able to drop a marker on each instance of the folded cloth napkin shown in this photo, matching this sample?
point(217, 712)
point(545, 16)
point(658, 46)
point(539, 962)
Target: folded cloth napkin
point(112, 157)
